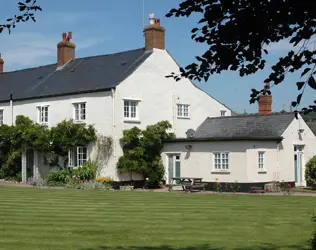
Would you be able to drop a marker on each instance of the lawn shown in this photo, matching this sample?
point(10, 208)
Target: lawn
point(94, 220)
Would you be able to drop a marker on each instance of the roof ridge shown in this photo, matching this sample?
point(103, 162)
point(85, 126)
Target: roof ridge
point(250, 115)
point(80, 58)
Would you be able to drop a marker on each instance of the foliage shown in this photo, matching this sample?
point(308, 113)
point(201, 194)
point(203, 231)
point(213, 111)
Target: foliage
point(239, 32)
point(58, 177)
point(104, 147)
point(142, 149)
point(53, 143)
point(284, 187)
point(86, 172)
point(27, 9)
point(310, 173)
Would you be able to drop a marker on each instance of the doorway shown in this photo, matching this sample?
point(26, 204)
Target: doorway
point(174, 167)
point(298, 165)
point(29, 163)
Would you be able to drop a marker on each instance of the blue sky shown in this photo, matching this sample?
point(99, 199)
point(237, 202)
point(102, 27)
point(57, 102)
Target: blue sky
point(109, 26)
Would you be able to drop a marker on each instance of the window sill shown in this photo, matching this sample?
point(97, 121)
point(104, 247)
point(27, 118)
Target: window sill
point(44, 124)
point(263, 171)
point(131, 120)
point(80, 121)
point(183, 117)
point(217, 171)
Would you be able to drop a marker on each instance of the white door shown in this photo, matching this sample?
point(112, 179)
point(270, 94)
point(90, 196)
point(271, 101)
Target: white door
point(174, 167)
point(298, 165)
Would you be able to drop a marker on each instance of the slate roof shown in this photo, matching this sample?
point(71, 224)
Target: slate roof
point(242, 127)
point(81, 75)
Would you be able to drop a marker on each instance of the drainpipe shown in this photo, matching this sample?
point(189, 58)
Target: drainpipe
point(11, 106)
point(174, 110)
point(113, 126)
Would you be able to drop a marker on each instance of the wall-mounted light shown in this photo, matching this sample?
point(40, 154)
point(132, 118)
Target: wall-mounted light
point(188, 146)
point(301, 130)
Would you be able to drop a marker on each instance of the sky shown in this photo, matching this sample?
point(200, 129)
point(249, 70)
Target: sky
point(109, 26)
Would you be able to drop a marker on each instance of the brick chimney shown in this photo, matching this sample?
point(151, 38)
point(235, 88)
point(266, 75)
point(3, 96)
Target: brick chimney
point(265, 101)
point(1, 64)
point(65, 49)
point(154, 34)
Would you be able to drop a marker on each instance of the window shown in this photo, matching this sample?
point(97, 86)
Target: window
point(43, 115)
point(183, 111)
point(77, 156)
point(1, 116)
point(131, 109)
point(261, 160)
point(221, 161)
point(223, 112)
point(80, 112)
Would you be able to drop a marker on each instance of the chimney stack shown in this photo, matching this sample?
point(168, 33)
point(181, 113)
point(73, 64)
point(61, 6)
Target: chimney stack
point(65, 49)
point(265, 101)
point(154, 34)
point(1, 64)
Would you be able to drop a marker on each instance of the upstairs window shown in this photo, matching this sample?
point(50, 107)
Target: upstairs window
point(183, 110)
point(43, 115)
point(80, 112)
point(77, 156)
point(131, 109)
point(1, 116)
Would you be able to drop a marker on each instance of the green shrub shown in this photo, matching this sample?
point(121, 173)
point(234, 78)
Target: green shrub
point(313, 240)
point(58, 177)
point(310, 173)
point(87, 172)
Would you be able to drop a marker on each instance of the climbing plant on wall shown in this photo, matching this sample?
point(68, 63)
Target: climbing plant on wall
point(142, 149)
point(26, 134)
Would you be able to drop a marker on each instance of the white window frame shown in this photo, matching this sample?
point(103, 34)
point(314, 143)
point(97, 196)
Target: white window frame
point(77, 152)
point(183, 111)
point(130, 107)
point(1, 116)
point(223, 112)
point(220, 166)
point(43, 119)
point(261, 161)
point(78, 118)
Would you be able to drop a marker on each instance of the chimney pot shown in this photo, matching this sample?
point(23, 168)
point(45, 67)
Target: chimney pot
point(265, 101)
point(154, 34)
point(65, 49)
point(1, 64)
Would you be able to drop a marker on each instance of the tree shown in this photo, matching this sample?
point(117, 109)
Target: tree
point(238, 33)
point(27, 9)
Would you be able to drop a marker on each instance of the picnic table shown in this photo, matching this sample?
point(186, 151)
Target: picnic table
point(188, 183)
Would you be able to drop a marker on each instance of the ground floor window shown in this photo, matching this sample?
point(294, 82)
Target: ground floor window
point(77, 156)
point(221, 160)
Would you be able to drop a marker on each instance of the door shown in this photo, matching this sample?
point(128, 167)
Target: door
point(29, 164)
point(298, 165)
point(174, 167)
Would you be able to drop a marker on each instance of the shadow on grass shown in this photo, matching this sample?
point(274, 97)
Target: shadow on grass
point(200, 247)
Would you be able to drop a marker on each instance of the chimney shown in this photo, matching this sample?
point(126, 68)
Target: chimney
point(154, 34)
point(65, 49)
point(265, 101)
point(1, 64)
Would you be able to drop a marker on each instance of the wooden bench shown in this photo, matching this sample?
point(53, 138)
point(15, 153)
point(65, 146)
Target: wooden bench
point(188, 183)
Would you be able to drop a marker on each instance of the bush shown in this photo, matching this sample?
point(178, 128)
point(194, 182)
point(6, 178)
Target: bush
point(310, 173)
point(313, 240)
point(58, 177)
point(87, 172)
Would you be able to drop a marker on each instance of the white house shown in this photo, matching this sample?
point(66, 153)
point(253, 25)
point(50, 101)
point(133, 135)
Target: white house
point(114, 92)
point(250, 149)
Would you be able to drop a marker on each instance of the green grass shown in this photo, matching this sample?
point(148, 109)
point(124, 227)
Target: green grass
point(94, 220)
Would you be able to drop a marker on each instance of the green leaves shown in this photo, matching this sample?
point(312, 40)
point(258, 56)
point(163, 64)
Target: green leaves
point(300, 85)
point(305, 71)
point(312, 82)
point(142, 149)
